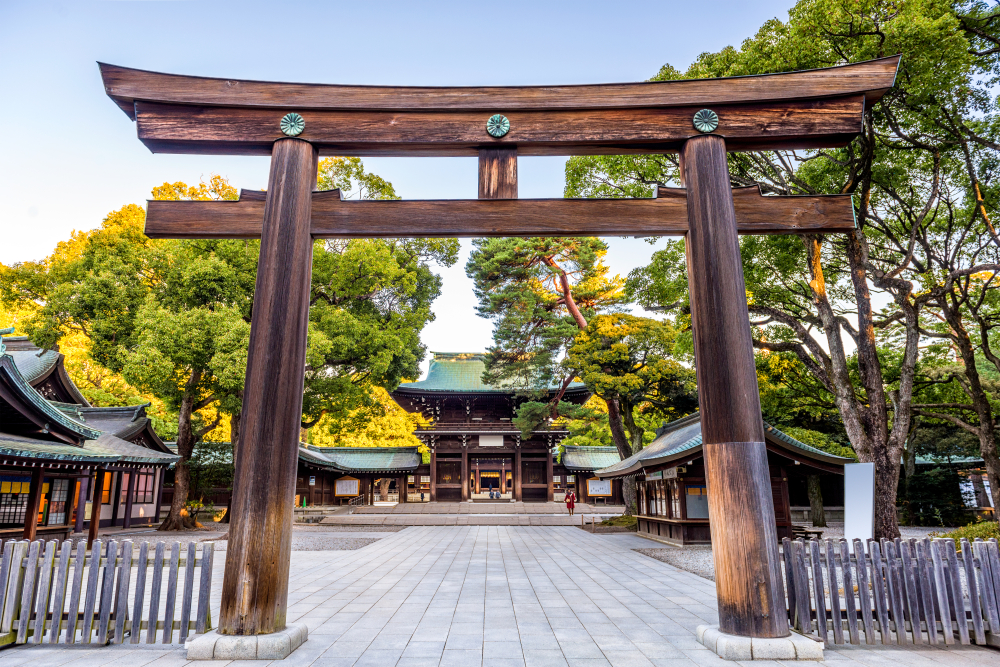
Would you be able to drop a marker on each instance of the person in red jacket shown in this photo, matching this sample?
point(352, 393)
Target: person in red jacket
point(570, 501)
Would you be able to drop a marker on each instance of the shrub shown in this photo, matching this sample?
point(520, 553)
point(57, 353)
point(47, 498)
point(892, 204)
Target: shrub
point(981, 529)
point(625, 521)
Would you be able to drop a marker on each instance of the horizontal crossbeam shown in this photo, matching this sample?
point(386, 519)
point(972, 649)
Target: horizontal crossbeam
point(794, 110)
point(126, 86)
point(333, 217)
point(171, 128)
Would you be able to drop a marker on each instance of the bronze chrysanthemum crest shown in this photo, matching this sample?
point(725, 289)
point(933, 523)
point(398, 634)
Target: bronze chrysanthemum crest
point(292, 124)
point(706, 120)
point(497, 126)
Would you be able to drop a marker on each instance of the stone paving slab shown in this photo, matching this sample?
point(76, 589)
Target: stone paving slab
point(451, 520)
point(486, 508)
point(494, 596)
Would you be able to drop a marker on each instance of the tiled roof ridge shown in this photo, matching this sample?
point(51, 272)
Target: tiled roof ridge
point(29, 392)
point(399, 448)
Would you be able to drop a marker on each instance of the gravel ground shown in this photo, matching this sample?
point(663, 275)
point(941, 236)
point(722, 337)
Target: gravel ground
point(698, 559)
point(304, 538)
point(335, 528)
point(836, 530)
point(693, 559)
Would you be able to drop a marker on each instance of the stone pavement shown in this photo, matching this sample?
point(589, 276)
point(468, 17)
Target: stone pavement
point(494, 597)
point(485, 508)
point(470, 514)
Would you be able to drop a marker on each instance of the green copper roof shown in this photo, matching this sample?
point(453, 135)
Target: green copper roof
point(682, 438)
point(459, 372)
point(13, 372)
point(581, 459)
point(28, 448)
point(36, 364)
point(363, 459)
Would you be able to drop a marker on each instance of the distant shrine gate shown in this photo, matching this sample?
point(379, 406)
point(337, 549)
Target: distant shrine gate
point(699, 119)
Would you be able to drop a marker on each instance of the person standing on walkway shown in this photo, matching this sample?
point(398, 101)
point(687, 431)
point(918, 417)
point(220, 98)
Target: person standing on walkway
point(570, 501)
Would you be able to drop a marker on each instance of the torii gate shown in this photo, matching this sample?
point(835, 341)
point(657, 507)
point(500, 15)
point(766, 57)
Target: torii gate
point(700, 119)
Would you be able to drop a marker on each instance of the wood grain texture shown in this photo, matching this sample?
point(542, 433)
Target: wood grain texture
point(126, 86)
point(172, 128)
point(333, 217)
point(498, 173)
point(34, 504)
point(95, 506)
point(741, 508)
point(255, 585)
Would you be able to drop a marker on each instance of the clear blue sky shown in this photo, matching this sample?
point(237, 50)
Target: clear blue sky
point(69, 155)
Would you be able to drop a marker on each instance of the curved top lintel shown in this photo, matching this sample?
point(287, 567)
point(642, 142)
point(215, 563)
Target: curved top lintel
point(126, 86)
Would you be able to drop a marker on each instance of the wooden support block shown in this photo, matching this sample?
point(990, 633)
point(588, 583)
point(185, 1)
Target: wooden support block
point(498, 173)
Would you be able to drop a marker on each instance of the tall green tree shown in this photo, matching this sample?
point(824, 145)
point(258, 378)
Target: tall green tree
point(370, 300)
point(539, 292)
point(811, 296)
point(630, 362)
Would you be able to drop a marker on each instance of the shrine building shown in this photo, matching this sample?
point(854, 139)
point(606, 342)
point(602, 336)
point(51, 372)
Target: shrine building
point(476, 451)
point(672, 491)
point(54, 445)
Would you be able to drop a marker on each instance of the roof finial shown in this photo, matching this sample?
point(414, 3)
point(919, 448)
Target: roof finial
point(4, 332)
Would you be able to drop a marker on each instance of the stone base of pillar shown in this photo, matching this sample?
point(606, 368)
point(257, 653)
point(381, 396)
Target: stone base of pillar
point(733, 647)
point(275, 646)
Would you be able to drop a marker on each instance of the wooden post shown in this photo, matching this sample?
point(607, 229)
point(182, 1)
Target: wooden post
point(116, 497)
point(434, 474)
point(498, 173)
point(159, 493)
point(402, 488)
point(34, 501)
point(465, 474)
point(82, 487)
point(95, 506)
point(517, 474)
point(744, 538)
point(548, 474)
point(255, 586)
point(129, 492)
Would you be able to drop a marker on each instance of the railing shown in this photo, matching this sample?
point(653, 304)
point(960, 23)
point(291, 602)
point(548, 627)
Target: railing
point(42, 592)
point(900, 592)
point(483, 426)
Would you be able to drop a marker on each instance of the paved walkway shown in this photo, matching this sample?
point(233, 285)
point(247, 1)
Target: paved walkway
point(470, 514)
point(485, 508)
point(494, 597)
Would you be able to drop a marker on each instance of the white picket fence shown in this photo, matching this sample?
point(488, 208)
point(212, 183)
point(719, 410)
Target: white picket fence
point(43, 599)
point(895, 592)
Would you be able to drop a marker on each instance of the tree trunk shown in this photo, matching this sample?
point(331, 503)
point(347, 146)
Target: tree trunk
point(179, 519)
point(909, 470)
point(635, 431)
point(986, 432)
point(816, 512)
point(383, 489)
point(624, 450)
point(234, 440)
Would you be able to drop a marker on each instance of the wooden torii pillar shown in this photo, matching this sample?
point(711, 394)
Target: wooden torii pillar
point(699, 119)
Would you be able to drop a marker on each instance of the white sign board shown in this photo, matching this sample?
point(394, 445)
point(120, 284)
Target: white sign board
point(491, 441)
point(598, 487)
point(859, 501)
point(347, 486)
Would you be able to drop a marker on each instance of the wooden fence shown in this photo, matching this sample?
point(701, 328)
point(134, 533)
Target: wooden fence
point(43, 600)
point(894, 592)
